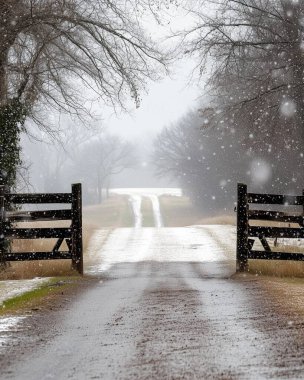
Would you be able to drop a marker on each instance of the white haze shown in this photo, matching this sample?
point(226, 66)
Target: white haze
point(164, 103)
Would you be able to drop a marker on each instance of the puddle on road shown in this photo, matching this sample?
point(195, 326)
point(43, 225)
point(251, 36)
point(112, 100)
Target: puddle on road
point(8, 326)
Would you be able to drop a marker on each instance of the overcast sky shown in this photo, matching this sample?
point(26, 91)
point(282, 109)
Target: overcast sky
point(166, 100)
point(165, 103)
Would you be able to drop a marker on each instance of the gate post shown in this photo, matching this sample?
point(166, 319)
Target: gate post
point(242, 229)
point(77, 249)
point(303, 203)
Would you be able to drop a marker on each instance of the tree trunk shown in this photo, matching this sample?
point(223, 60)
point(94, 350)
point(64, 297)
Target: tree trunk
point(99, 189)
point(3, 84)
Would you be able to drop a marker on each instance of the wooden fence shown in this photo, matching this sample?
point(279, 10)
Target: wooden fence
point(245, 231)
point(71, 235)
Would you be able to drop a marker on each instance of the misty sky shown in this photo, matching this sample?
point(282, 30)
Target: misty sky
point(168, 99)
point(165, 103)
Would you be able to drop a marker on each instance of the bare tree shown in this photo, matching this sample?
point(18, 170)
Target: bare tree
point(253, 53)
point(48, 48)
point(54, 158)
point(45, 43)
point(206, 159)
point(101, 159)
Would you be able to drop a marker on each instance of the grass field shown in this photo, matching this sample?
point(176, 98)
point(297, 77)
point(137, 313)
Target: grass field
point(114, 212)
point(179, 212)
point(279, 268)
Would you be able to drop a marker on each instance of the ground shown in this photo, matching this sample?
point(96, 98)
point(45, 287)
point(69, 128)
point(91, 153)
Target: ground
point(161, 303)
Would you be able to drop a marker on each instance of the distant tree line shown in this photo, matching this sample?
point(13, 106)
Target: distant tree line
point(91, 157)
point(99, 161)
point(252, 126)
point(204, 160)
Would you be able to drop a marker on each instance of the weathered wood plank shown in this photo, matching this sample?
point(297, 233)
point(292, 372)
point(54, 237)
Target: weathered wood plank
point(49, 215)
point(262, 255)
point(69, 243)
point(276, 199)
point(265, 244)
point(38, 233)
point(276, 216)
point(39, 198)
point(29, 256)
point(58, 245)
point(280, 232)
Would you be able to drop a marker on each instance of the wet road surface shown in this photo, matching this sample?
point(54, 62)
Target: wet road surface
point(160, 314)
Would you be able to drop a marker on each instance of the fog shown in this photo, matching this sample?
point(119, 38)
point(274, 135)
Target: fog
point(201, 120)
point(50, 159)
point(194, 95)
point(52, 165)
point(180, 126)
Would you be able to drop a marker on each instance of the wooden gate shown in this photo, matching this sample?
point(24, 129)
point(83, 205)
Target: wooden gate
point(245, 231)
point(10, 222)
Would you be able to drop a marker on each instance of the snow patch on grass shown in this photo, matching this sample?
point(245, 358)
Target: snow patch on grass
point(13, 288)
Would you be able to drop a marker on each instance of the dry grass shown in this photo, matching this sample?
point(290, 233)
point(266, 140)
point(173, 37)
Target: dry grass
point(270, 223)
point(219, 219)
point(114, 212)
point(179, 212)
point(279, 268)
point(31, 269)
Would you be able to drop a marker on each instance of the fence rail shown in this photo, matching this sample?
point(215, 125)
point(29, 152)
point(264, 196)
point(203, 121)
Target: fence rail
point(41, 216)
point(246, 231)
point(275, 199)
point(71, 235)
point(39, 198)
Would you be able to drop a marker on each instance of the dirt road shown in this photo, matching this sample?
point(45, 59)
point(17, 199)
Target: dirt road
point(155, 312)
